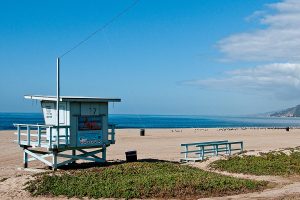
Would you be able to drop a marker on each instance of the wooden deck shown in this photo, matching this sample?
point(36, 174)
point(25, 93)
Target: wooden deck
point(53, 145)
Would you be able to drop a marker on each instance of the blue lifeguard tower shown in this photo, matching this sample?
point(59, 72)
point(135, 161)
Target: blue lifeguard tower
point(83, 124)
point(72, 124)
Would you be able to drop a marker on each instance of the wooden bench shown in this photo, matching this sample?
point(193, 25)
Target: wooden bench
point(200, 150)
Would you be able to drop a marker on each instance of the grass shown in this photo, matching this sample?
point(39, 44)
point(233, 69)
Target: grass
point(273, 163)
point(140, 180)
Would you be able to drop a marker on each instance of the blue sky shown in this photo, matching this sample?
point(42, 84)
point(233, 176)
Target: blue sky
point(202, 57)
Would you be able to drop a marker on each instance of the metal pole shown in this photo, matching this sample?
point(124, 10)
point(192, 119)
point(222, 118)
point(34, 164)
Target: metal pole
point(57, 94)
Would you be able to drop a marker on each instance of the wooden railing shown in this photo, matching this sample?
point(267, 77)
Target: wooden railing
point(35, 135)
point(200, 150)
point(111, 133)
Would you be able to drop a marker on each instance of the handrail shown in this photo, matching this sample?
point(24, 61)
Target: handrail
point(35, 139)
point(200, 143)
point(34, 125)
point(214, 148)
point(212, 144)
point(61, 126)
point(41, 125)
point(235, 142)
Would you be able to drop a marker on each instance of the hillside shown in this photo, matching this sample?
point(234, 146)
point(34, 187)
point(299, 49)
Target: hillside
point(290, 112)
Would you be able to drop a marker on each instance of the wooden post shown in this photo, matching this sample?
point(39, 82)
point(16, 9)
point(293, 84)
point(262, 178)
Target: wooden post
point(113, 134)
point(202, 152)
point(19, 134)
point(186, 152)
point(74, 154)
point(57, 137)
point(50, 138)
point(104, 152)
point(227, 148)
point(54, 160)
point(67, 136)
point(242, 146)
point(28, 135)
point(39, 136)
point(25, 159)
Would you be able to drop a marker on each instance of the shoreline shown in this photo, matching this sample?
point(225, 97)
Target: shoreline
point(169, 121)
point(201, 128)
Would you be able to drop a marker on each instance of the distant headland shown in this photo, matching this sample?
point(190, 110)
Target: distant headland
point(289, 112)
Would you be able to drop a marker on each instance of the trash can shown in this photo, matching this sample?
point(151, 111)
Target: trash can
point(287, 128)
point(131, 156)
point(142, 132)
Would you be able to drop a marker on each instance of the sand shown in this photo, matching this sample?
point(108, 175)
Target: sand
point(162, 144)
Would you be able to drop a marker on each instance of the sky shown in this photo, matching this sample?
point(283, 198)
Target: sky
point(195, 57)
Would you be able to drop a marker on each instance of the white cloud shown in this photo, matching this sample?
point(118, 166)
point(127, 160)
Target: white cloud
point(279, 40)
point(279, 79)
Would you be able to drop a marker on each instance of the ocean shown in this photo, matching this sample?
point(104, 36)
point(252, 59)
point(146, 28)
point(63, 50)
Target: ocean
point(163, 121)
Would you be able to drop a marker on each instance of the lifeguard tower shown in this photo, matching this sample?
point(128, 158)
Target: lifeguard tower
point(83, 124)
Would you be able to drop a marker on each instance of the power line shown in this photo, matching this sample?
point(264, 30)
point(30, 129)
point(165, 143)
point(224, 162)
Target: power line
point(102, 27)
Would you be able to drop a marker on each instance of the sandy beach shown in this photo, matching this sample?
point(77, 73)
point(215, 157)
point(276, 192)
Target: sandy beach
point(162, 144)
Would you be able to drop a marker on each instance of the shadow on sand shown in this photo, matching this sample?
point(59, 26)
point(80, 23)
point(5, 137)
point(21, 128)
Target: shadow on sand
point(107, 164)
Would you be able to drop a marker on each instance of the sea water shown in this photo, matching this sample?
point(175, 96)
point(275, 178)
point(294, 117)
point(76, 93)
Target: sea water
point(162, 121)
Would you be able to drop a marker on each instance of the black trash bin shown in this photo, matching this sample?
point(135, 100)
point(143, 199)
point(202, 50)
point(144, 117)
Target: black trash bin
point(142, 132)
point(131, 156)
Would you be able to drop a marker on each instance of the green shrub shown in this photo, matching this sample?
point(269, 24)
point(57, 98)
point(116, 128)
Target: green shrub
point(140, 180)
point(273, 163)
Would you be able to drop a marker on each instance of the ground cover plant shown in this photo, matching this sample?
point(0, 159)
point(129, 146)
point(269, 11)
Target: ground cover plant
point(283, 163)
point(140, 180)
